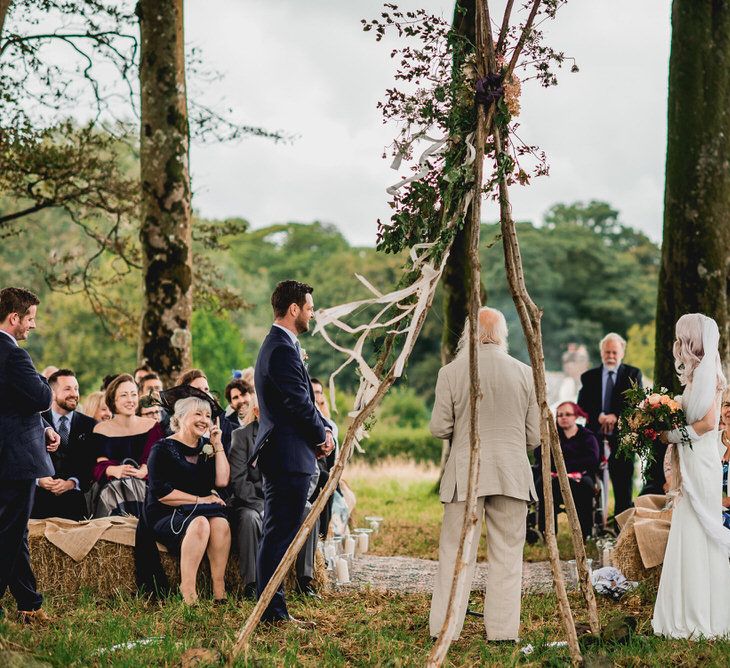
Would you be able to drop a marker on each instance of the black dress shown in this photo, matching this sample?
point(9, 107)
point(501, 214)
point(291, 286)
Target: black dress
point(174, 465)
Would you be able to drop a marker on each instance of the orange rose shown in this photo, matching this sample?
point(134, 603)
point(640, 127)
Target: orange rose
point(654, 399)
point(664, 400)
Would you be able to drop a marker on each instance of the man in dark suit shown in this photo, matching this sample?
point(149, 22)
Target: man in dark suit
point(291, 436)
point(62, 495)
point(602, 397)
point(25, 440)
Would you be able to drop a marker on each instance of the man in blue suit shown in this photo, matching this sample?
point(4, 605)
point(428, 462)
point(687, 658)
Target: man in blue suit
point(25, 440)
point(292, 435)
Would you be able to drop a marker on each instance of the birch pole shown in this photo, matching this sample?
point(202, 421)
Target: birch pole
point(244, 635)
point(470, 529)
point(530, 316)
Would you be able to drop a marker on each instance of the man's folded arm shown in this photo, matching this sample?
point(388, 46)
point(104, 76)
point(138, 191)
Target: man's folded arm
point(284, 373)
point(442, 416)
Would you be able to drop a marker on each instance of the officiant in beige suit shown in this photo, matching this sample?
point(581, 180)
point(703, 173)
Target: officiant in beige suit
point(508, 428)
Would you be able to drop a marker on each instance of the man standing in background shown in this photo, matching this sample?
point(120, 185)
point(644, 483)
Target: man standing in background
point(602, 397)
point(25, 440)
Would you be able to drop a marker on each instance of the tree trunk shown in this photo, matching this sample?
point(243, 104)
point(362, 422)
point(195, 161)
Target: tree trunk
point(165, 232)
point(459, 271)
point(696, 248)
point(4, 7)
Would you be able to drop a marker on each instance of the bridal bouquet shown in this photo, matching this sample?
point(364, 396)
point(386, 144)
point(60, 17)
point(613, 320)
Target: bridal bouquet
point(647, 413)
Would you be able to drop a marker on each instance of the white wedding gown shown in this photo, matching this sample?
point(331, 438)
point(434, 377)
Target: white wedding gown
point(694, 590)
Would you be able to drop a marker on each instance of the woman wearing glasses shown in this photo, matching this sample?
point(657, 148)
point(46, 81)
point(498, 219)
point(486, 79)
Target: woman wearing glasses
point(581, 454)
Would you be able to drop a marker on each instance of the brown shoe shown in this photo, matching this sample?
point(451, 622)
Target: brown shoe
point(34, 617)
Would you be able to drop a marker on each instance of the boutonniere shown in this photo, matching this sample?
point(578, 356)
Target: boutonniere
point(304, 356)
point(208, 450)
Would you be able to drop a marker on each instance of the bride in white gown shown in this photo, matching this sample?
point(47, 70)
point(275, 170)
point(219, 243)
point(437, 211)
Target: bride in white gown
point(694, 591)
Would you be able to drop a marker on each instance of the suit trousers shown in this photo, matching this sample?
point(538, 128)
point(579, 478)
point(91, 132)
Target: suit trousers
point(249, 523)
point(70, 505)
point(621, 472)
point(16, 501)
point(505, 520)
point(285, 498)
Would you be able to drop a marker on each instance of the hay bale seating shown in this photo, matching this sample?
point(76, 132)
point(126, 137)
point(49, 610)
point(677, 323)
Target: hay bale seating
point(627, 558)
point(109, 568)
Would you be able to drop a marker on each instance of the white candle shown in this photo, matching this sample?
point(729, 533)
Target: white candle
point(350, 546)
point(362, 543)
point(329, 551)
point(343, 571)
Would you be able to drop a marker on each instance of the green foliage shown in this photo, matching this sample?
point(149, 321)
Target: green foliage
point(412, 443)
point(217, 349)
point(404, 408)
point(640, 348)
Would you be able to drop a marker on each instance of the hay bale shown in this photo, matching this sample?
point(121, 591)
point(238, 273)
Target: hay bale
point(627, 558)
point(109, 568)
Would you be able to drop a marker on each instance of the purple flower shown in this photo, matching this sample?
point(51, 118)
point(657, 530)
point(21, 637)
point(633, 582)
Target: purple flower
point(489, 90)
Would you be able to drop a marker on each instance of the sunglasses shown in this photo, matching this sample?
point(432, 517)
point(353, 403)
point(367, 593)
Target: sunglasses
point(564, 414)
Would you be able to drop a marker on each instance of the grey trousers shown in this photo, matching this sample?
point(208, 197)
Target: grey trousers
point(249, 523)
point(505, 520)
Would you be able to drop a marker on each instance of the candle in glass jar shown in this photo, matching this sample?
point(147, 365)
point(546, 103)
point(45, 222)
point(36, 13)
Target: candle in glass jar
point(329, 551)
point(343, 571)
point(350, 546)
point(362, 543)
point(606, 557)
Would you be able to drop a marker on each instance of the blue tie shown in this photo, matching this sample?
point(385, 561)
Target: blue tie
point(609, 393)
point(63, 430)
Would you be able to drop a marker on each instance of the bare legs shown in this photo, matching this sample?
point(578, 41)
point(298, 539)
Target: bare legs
point(219, 546)
point(214, 536)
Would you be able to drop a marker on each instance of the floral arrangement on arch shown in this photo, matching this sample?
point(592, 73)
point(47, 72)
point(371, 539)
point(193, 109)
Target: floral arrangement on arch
point(647, 413)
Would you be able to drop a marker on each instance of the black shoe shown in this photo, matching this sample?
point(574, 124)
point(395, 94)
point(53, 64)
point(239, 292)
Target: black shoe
point(305, 587)
point(249, 591)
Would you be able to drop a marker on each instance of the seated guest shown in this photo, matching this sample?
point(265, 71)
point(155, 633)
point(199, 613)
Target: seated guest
point(149, 407)
point(238, 395)
point(325, 464)
point(95, 407)
point(122, 446)
point(582, 459)
point(62, 495)
point(150, 385)
point(141, 371)
point(248, 509)
point(196, 378)
point(725, 456)
point(182, 509)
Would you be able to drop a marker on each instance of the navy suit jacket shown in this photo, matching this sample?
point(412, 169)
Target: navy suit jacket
point(78, 458)
point(290, 426)
point(590, 398)
point(24, 394)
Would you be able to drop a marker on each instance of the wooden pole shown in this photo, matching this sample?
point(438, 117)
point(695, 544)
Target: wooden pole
point(530, 316)
point(470, 529)
point(244, 635)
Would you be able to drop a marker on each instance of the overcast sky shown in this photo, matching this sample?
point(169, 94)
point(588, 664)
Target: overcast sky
point(306, 67)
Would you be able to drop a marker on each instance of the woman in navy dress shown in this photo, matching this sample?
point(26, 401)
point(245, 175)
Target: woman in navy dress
point(183, 510)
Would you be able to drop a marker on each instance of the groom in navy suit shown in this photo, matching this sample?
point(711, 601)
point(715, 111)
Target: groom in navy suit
point(292, 435)
point(25, 440)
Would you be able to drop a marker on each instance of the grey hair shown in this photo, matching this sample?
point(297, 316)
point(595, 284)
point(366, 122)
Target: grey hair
point(185, 406)
point(496, 334)
point(612, 336)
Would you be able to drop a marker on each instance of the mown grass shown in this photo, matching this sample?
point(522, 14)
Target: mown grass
point(403, 493)
point(365, 628)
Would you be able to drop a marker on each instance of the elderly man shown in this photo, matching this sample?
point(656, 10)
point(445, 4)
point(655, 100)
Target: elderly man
point(602, 397)
point(508, 427)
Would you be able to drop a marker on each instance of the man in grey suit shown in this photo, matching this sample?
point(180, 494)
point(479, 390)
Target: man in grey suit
point(25, 440)
point(508, 427)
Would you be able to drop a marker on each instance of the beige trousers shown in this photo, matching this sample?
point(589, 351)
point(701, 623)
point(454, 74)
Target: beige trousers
point(505, 520)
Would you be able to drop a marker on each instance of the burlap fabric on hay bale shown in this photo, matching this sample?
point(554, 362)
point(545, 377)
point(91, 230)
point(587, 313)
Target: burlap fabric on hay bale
point(109, 568)
point(627, 558)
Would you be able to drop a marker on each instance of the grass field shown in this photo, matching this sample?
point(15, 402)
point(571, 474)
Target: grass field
point(354, 628)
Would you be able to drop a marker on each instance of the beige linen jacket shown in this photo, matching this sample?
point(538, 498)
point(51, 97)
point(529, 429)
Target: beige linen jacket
point(508, 425)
